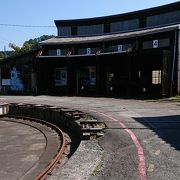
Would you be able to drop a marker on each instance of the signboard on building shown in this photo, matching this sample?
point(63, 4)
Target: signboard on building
point(155, 43)
point(60, 77)
point(90, 76)
point(6, 82)
point(16, 82)
point(88, 50)
point(58, 52)
point(120, 48)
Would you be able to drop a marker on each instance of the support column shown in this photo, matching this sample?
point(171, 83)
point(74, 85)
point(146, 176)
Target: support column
point(34, 83)
point(100, 76)
point(98, 83)
point(166, 73)
point(178, 64)
point(0, 81)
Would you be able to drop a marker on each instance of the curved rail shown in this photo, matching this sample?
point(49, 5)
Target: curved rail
point(58, 156)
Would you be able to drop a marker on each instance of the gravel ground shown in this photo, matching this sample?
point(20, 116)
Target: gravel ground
point(82, 164)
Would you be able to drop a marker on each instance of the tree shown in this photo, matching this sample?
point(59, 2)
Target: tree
point(29, 45)
point(16, 48)
point(34, 43)
point(2, 55)
point(5, 54)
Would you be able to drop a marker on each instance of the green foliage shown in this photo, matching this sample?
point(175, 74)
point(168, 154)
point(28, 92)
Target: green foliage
point(5, 54)
point(2, 55)
point(34, 43)
point(16, 48)
point(29, 45)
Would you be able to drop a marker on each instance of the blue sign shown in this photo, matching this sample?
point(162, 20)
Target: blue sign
point(16, 82)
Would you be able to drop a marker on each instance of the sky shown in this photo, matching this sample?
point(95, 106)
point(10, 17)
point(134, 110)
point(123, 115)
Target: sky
point(44, 12)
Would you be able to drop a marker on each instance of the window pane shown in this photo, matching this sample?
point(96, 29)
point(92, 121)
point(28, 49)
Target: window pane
point(156, 77)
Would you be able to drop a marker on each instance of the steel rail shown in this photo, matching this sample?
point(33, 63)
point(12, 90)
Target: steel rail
point(47, 171)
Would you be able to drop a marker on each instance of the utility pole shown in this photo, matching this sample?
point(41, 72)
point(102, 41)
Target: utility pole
point(5, 53)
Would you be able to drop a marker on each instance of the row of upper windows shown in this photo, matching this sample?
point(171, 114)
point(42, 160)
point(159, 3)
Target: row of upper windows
point(151, 44)
point(98, 29)
point(127, 25)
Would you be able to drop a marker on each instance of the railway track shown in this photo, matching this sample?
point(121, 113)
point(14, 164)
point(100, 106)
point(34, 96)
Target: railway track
point(55, 148)
point(77, 126)
point(90, 127)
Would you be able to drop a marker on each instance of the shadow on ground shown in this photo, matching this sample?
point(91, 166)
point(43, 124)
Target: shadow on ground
point(166, 127)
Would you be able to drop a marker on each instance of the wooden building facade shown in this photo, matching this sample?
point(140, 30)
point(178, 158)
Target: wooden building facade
point(19, 74)
point(131, 54)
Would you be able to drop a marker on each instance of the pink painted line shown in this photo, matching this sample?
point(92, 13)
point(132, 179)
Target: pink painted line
point(142, 164)
point(140, 152)
point(113, 119)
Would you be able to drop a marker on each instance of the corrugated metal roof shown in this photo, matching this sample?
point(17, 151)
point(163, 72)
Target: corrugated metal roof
point(107, 37)
point(35, 51)
point(117, 17)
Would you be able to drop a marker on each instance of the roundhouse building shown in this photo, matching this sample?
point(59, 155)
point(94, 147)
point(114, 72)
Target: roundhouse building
point(136, 53)
point(18, 73)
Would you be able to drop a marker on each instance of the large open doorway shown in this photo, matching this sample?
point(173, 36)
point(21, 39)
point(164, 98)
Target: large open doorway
point(154, 71)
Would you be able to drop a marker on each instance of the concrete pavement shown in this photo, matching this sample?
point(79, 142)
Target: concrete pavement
point(21, 146)
point(149, 141)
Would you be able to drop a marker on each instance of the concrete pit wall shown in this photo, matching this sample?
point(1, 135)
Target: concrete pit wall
point(4, 109)
point(55, 115)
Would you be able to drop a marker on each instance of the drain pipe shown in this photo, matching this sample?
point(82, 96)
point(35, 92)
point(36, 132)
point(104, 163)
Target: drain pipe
point(173, 65)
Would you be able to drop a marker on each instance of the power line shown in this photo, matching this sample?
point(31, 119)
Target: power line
point(26, 26)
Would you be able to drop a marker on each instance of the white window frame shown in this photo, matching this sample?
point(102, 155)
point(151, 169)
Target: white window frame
point(62, 79)
point(156, 77)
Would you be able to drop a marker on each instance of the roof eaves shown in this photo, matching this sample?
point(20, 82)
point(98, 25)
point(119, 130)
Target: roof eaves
point(103, 38)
